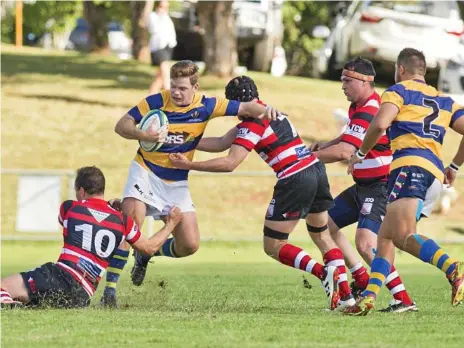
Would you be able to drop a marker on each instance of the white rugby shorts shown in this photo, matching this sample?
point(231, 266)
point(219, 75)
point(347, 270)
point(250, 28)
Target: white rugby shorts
point(158, 195)
point(433, 193)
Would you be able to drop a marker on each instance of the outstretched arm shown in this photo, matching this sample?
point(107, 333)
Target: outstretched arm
point(458, 159)
point(218, 144)
point(151, 245)
point(341, 151)
point(451, 171)
point(236, 156)
point(386, 115)
point(256, 110)
point(321, 146)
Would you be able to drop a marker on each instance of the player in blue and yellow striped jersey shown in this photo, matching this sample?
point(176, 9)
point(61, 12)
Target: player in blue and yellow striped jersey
point(418, 117)
point(153, 184)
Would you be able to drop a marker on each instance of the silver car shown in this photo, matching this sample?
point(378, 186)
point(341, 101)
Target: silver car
point(451, 78)
point(379, 30)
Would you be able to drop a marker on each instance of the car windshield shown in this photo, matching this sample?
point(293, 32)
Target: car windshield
point(442, 9)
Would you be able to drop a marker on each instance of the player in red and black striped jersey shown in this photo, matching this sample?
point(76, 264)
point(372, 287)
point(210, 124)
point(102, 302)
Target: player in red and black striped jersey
point(92, 231)
point(302, 190)
point(365, 202)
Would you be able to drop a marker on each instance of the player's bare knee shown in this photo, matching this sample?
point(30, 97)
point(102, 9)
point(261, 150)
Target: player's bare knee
point(364, 248)
point(334, 232)
point(128, 205)
point(135, 209)
point(186, 248)
point(317, 227)
point(273, 241)
point(272, 249)
point(400, 237)
point(320, 238)
point(269, 249)
point(401, 241)
point(318, 220)
point(398, 242)
point(333, 228)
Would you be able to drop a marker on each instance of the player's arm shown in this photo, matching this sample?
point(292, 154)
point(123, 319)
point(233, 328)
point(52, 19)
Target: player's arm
point(379, 125)
point(317, 146)
point(225, 107)
point(236, 156)
point(256, 110)
point(127, 128)
point(341, 151)
point(457, 123)
point(349, 141)
point(458, 126)
point(218, 144)
point(153, 244)
point(127, 125)
point(458, 159)
point(391, 104)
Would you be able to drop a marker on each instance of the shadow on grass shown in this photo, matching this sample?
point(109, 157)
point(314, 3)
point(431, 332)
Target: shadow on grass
point(70, 100)
point(85, 66)
point(75, 66)
point(79, 66)
point(458, 230)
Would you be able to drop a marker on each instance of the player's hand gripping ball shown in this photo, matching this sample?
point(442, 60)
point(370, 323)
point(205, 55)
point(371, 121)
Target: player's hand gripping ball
point(155, 123)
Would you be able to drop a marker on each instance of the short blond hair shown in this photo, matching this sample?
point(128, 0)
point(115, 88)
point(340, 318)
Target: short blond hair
point(185, 68)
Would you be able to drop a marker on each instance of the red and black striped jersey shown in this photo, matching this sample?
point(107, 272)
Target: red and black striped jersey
point(277, 143)
point(92, 231)
point(376, 165)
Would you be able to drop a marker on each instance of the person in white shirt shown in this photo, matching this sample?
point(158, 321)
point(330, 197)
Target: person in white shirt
point(162, 42)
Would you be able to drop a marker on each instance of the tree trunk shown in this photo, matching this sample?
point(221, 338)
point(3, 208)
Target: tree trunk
point(139, 34)
point(217, 20)
point(98, 31)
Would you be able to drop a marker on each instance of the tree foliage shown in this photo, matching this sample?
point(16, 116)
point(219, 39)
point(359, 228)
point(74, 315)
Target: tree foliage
point(299, 18)
point(41, 16)
point(219, 41)
point(57, 16)
point(99, 13)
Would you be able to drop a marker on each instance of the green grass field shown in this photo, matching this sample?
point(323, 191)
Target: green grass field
point(58, 112)
point(229, 295)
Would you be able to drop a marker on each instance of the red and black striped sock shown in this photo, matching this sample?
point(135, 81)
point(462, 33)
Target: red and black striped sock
point(396, 287)
point(360, 275)
point(5, 296)
point(334, 257)
point(293, 256)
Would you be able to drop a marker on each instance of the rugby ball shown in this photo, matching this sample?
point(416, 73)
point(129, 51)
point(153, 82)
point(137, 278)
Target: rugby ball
point(154, 119)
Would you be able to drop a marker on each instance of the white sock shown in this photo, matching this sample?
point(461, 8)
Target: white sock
point(356, 267)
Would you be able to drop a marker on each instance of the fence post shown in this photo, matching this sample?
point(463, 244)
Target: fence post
point(71, 190)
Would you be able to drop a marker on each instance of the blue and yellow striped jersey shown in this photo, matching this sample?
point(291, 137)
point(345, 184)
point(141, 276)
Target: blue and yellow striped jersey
point(418, 130)
point(186, 127)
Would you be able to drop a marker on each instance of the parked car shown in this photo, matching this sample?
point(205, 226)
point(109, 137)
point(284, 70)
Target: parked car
point(118, 41)
point(451, 77)
point(259, 30)
point(378, 30)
